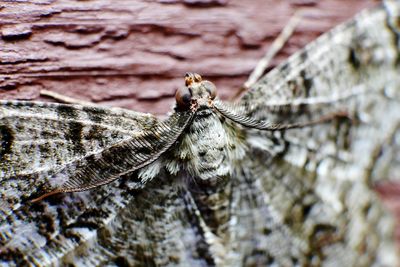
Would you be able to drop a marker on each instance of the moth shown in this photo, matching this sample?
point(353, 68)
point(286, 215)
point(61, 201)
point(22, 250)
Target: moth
point(216, 184)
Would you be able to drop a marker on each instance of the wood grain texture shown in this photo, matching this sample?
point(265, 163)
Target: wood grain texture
point(133, 54)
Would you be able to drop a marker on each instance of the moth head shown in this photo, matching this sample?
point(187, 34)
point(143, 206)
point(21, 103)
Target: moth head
point(196, 93)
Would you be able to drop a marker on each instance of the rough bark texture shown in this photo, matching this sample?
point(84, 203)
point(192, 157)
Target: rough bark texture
point(133, 54)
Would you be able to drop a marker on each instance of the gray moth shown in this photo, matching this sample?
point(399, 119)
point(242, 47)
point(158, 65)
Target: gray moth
point(216, 184)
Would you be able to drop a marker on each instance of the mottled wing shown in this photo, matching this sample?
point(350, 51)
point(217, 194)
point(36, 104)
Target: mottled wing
point(287, 216)
point(356, 58)
point(158, 227)
point(117, 226)
point(70, 147)
point(354, 70)
point(75, 148)
point(317, 180)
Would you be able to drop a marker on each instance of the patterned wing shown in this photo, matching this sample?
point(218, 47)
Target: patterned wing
point(312, 200)
point(318, 181)
point(288, 216)
point(74, 148)
point(108, 226)
point(356, 59)
point(70, 148)
point(158, 227)
point(353, 70)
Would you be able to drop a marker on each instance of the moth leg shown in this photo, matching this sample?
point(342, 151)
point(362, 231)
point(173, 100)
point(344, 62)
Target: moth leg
point(273, 50)
point(65, 99)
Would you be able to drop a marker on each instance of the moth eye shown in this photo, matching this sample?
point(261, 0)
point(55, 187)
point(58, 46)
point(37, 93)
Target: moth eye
point(183, 97)
point(197, 77)
point(188, 78)
point(211, 88)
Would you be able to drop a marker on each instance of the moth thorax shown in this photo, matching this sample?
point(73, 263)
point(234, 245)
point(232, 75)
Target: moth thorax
point(208, 146)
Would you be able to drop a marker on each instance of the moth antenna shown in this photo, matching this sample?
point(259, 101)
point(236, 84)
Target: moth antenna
point(141, 151)
point(233, 113)
point(45, 195)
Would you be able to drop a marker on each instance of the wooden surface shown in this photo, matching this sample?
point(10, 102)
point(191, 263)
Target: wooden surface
point(133, 54)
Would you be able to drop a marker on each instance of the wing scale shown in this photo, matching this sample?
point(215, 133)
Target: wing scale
point(121, 158)
point(66, 148)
